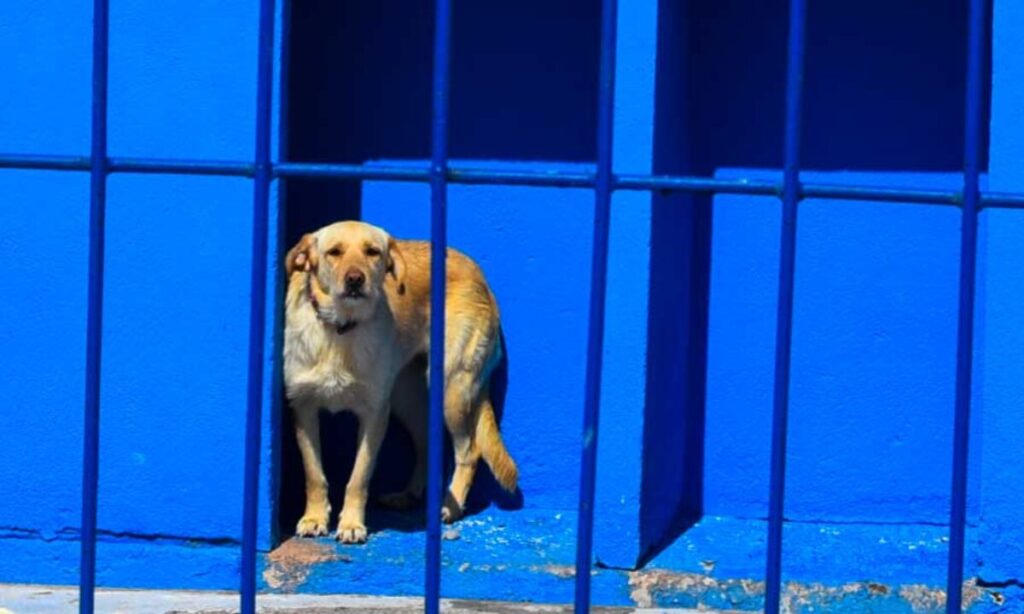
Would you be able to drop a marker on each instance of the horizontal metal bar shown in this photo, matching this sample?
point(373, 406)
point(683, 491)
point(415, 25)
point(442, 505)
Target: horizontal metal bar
point(560, 179)
point(45, 163)
point(352, 171)
point(482, 176)
point(182, 167)
point(697, 184)
point(569, 179)
point(1002, 200)
point(901, 195)
point(128, 165)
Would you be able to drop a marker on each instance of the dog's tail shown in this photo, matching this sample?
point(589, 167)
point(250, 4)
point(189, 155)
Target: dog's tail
point(492, 447)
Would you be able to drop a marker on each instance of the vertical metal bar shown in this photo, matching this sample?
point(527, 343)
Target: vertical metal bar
point(598, 283)
point(784, 320)
point(257, 304)
point(965, 319)
point(275, 253)
point(94, 320)
point(438, 253)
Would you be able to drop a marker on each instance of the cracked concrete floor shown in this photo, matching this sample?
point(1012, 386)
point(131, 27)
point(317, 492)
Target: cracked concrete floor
point(36, 599)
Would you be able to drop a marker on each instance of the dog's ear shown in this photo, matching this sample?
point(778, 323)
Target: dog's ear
point(396, 264)
point(302, 257)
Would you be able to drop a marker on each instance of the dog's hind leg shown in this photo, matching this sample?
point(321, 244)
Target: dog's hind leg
point(460, 419)
point(318, 509)
point(409, 404)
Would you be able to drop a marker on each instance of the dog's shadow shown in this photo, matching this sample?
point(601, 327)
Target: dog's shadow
point(394, 466)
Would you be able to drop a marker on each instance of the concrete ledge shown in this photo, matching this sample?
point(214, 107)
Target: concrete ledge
point(40, 599)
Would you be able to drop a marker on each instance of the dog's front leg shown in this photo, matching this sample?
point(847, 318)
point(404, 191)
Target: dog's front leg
point(318, 508)
point(351, 522)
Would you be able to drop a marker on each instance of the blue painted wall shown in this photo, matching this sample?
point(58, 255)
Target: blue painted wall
point(687, 389)
point(176, 301)
point(999, 421)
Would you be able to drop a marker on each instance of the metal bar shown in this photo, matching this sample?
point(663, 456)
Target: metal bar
point(559, 179)
point(278, 283)
point(881, 194)
point(50, 163)
point(603, 189)
point(1002, 200)
point(666, 183)
point(94, 317)
point(965, 317)
point(182, 167)
point(128, 165)
point(257, 303)
point(352, 171)
point(438, 254)
point(481, 176)
point(784, 324)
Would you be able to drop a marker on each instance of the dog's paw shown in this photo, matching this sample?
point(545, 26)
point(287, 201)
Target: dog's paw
point(351, 533)
point(312, 526)
point(450, 512)
point(403, 500)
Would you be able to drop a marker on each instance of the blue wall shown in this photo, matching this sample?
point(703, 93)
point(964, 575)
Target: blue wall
point(999, 422)
point(175, 339)
point(686, 398)
point(873, 354)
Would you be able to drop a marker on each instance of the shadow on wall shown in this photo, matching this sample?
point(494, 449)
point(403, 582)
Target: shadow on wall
point(883, 83)
point(360, 77)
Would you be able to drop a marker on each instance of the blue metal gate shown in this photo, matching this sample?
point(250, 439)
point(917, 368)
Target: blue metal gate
point(604, 182)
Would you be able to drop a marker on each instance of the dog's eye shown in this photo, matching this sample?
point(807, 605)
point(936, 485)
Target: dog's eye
point(372, 251)
point(334, 251)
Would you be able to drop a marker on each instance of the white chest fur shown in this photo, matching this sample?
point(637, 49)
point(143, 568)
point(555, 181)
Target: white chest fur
point(335, 371)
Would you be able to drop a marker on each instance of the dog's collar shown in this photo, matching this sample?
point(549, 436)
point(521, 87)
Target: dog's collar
point(341, 329)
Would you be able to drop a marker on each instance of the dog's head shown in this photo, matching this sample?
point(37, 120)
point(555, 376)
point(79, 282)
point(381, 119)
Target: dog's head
point(349, 263)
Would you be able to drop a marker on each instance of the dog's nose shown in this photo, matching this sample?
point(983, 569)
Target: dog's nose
point(354, 278)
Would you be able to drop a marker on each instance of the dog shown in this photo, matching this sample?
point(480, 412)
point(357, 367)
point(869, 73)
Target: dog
point(357, 324)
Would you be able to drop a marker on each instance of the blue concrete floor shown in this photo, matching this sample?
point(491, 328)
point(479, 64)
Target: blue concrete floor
point(504, 555)
point(719, 563)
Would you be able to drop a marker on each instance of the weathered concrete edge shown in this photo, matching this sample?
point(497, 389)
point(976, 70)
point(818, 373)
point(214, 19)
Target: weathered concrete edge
point(43, 599)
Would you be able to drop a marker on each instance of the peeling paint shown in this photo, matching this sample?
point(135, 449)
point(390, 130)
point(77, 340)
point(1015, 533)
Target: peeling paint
point(927, 599)
point(650, 587)
point(661, 588)
point(559, 571)
point(289, 566)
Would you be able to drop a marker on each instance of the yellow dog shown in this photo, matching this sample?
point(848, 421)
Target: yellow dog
point(357, 316)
